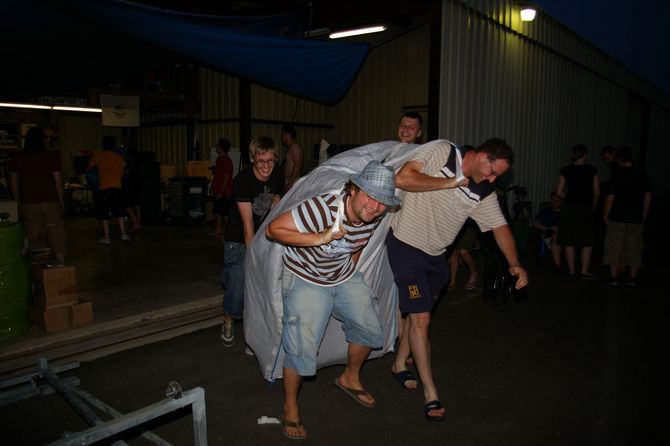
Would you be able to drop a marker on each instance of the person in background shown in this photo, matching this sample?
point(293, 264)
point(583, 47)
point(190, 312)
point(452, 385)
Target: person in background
point(111, 169)
point(222, 185)
point(292, 167)
point(36, 183)
point(546, 222)
point(324, 237)
point(626, 208)
point(579, 186)
point(410, 127)
point(466, 241)
point(459, 185)
point(130, 186)
point(256, 190)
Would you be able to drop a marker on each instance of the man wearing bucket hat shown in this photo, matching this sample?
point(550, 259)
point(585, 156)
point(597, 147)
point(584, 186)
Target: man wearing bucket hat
point(323, 238)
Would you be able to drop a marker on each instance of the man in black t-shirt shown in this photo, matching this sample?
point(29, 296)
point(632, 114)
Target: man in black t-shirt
point(256, 190)
point(626, 208)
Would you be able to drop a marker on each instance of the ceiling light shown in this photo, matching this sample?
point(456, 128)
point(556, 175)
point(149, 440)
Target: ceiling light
point(50, 107)
point(357, 31)
point(81, 109)
point(527, 14)
point(14, 105)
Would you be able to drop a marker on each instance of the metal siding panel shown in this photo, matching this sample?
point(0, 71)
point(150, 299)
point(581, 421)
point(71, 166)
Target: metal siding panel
point(496, 83)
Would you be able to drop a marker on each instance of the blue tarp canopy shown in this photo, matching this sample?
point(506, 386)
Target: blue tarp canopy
point(50, 47)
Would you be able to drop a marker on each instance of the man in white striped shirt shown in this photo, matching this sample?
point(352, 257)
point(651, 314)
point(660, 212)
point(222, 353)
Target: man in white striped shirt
point(323, 239)
point(444, 186)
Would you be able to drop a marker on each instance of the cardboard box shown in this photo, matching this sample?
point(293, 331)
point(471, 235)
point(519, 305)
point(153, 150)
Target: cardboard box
point(11, 208)
point(55, 319)
point(81, 313)
point(54, 287)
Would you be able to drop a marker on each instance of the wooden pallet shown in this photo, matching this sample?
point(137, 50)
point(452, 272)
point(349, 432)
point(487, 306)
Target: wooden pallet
point(101, 339)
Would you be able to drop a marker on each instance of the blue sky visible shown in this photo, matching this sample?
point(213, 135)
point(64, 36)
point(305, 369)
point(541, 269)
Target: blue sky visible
point(634, 32)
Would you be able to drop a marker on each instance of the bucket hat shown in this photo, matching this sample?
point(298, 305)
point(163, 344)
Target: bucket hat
point(378, 181)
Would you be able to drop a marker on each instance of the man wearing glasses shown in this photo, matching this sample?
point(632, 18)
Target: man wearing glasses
point(255, 191)
point(444, 186)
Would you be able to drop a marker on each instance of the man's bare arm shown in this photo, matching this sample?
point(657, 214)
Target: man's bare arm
point(506, 243)
point(411, 179)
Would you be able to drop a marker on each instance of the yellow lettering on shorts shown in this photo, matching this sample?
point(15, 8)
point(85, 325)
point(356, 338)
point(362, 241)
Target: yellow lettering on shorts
point(413, 292)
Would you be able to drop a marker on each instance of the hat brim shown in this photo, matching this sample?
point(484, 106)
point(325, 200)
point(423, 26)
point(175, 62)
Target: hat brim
point(387, 200)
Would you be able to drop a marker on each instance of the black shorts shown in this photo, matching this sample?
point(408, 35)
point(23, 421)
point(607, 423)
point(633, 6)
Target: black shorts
point(420, 277)
point(109, 199)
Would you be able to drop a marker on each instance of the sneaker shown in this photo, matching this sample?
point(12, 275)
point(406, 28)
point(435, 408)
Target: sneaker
point(125, 237)
point(612, 282)
point(105, 241)
point(227, 334)
point(248, 351)
point(587, 276)
point(632, 282)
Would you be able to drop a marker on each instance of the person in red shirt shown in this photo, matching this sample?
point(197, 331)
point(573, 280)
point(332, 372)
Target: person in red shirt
point(222, 185)
point(36, 186)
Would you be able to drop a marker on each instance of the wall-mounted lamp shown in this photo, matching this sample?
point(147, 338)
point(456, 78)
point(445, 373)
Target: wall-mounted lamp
point(50, 107)
point(357, 31)
point(527, 13)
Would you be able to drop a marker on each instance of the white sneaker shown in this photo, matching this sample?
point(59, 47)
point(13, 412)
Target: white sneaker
point(125, 237)
point(105, 241)
point(248, 351)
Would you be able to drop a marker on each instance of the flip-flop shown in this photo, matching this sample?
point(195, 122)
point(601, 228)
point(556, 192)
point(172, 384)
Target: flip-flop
point(291, 424)
point(470, 285)
point(355, 394)
point(431, 406)
point(402, 377)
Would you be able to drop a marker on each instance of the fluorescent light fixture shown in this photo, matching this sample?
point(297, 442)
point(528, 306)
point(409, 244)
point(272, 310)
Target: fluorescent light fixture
point(81, 109)
point(357, 31)
point(527, 14)
point(14, 105)
point(50, 107)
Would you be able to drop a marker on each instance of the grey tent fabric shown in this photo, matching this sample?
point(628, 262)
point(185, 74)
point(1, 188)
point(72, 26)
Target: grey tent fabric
point(263, 300)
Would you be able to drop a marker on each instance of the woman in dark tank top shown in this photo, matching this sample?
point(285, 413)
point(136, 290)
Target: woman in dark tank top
point(579, 186)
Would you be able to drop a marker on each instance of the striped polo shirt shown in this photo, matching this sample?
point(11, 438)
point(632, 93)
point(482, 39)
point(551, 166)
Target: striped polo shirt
point(430, 221)
point(330, 264)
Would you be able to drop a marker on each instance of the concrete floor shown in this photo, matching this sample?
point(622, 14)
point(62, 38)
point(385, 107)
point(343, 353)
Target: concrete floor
point(162, 265)
point(574, 363)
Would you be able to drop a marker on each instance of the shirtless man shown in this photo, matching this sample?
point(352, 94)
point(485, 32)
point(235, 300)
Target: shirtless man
point(293, 158)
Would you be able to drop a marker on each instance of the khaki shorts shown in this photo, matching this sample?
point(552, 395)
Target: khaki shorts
point(45, 219)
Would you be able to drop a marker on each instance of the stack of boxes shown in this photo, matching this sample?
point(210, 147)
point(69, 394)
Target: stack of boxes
point(56, 304)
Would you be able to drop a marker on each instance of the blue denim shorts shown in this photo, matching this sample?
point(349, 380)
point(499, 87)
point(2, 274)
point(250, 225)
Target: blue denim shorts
point(307, 309)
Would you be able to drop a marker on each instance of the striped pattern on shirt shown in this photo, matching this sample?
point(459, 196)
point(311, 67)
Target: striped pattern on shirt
point(430, 221)
point(330, 264)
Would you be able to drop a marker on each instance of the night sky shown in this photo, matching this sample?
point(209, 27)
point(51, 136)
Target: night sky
point(635, 33)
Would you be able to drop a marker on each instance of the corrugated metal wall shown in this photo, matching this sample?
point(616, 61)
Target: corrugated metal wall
point(80, 132)
point(536, 84)
point(497, 82)
point(394, 76)
point(168, 142)
point(275, 108)
point(219, 104)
